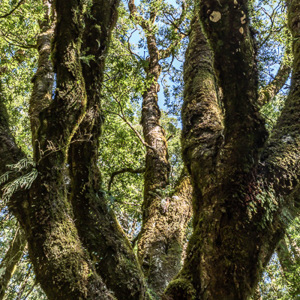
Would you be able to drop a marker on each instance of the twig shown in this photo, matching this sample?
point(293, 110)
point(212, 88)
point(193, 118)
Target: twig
point(12, 11)
point(125, 170)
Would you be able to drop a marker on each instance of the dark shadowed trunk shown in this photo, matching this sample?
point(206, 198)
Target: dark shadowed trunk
point(97, 225)
point(244, 189)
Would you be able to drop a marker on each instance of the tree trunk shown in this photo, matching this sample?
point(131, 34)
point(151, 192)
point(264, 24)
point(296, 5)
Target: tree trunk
point(62, 266)
point(162, 237)
point(241, 198)
point(98, 228)
point(165, 216)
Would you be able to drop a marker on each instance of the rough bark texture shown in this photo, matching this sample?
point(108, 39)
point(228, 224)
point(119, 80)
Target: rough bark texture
point(97, 225)
point(10, 260)
point(156, 176)
point(44, 78)
point(241, 209)
point(162, 239)
point(164, 216)
point(61, 264)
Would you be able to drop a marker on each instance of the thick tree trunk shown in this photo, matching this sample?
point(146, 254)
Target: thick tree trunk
point(240, 202)
point(62, 265)
point(97, 225)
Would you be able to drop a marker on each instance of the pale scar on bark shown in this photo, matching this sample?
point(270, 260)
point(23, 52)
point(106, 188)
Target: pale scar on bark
point(215, 16)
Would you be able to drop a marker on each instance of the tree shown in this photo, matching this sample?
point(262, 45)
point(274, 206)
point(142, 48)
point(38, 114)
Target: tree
point(160, 246)
point(245, 183)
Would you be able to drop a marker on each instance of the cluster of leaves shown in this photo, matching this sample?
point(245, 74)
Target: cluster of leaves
point(18, 57)
point(269, 25)
point(22, 179)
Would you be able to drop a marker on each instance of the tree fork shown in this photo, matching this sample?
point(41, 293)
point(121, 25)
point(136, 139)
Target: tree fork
point(62, 265)
point(97, 225)
point(239, 222)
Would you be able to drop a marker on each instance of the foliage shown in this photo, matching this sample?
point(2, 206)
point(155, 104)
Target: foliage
point(281, 278)
point(269, 25)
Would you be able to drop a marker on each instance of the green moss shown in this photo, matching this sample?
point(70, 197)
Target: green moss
point(180, 289)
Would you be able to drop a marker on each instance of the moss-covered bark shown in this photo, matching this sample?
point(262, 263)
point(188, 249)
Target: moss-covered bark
point(44, 78)
point(164, 216)
point(162, 237)
point(227, 27)
point(62, 265)
point(98, 228)
point(242, 206)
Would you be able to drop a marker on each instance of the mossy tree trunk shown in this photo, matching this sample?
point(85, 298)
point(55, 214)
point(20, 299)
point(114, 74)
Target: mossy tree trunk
point(10, 154)
point(62, 265)
point(97, 225)
point(165, 216)
point(68, 262)
point(245, 185)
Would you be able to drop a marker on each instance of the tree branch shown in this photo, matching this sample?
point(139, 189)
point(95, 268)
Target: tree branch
point(123, 117)
point(271, 90)
point(236, 67)
point(12, 257)
point(165, 53)
point(202, 116)
point(138, 18)
point(125, 170)
point(12, 11)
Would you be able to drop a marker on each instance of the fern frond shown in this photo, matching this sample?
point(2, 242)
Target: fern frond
point(21, 164)
point(22, 182)
point(5, 177)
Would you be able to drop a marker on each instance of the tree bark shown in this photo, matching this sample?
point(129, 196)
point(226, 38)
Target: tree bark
point(241, 207)
point(97, 225)
point(165, 216)
point(62, 265)
point(162, 237)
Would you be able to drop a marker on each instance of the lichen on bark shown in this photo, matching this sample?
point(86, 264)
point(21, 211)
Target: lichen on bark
point(241, 212)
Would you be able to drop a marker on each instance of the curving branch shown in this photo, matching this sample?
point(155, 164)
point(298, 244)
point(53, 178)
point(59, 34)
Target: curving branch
point(96, 223)
point(175, 27)
point(122, 171)
point(13, 10)
point(202, 116)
